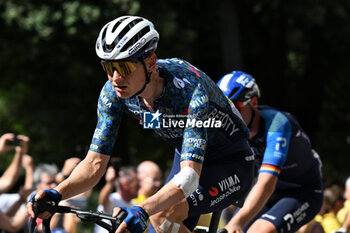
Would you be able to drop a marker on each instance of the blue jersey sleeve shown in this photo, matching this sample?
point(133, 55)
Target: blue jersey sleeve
point(109, 113)
point(195, 136)
point(279, 131)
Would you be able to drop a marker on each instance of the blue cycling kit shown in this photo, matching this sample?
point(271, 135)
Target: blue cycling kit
point(137, 218)
point(283, 149)
point(189, 95)
point(50, 195)
point(187, 91)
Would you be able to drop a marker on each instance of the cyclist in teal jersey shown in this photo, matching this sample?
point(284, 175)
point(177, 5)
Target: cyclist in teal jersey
point(288, 191)
point(213, 163)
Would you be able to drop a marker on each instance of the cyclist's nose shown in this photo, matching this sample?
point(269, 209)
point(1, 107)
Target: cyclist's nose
point(116, 75)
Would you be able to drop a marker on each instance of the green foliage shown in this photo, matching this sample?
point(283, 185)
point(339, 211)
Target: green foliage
point(51, 77)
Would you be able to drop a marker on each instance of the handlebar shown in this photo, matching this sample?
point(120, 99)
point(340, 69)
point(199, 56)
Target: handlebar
point(40, 206)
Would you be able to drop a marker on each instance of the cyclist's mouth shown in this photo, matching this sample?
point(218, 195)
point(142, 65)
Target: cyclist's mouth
point(120, 88)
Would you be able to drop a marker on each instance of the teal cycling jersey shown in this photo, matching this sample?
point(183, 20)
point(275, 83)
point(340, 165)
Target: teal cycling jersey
point(283, 149)
point(195, 117)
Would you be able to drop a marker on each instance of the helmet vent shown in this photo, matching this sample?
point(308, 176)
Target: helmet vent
point(104, 46)
point(136, 38)
point(116, 25)
point(233, 91)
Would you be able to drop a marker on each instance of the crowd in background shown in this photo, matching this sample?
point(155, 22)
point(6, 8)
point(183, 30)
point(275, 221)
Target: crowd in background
point(125, 185)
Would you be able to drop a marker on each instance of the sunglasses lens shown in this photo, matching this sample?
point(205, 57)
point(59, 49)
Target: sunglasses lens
point(238, 105)
point(123, 68)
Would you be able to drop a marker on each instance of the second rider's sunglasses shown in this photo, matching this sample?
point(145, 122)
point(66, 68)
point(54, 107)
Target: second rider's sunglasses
point(239, 105)
point(124, 68)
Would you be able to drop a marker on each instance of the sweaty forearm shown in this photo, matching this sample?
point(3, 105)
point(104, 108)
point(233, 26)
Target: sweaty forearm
point(85, 176)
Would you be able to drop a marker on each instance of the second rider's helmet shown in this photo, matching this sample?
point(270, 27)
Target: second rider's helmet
point(239, 86)
point(127, 37)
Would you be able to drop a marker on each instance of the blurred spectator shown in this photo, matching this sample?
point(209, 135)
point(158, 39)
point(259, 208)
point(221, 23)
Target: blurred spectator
point(67, 168)
point(47, 176)
point(126, 185)
point(13, 214)
point(70, 221)
point(150, 178)
point(19, 143)
point(341, 215)
point(7, 200)
point(333, 202)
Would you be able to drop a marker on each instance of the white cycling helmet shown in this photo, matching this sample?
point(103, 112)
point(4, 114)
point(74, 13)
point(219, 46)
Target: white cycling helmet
point(127, 37)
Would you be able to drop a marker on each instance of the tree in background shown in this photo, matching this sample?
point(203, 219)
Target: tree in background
point(51, 77)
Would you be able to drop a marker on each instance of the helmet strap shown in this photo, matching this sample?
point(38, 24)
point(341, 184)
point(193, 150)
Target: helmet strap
point(148, 79)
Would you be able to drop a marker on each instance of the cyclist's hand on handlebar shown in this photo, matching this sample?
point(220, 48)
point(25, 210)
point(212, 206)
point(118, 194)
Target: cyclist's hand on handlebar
point(45, 195)
point(135, 221)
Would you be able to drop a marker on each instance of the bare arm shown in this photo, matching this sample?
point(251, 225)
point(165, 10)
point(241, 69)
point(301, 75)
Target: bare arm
point(23, 194)
point(13, 224)
point(85, 175)
point(27, 163)
point(9, 178)
point(255, 201)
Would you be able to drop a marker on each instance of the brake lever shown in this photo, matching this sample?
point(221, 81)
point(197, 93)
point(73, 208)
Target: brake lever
point(46, 225)
point(40, 206)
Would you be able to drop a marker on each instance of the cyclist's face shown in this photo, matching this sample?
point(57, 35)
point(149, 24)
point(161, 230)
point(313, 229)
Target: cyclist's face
point(127, 86)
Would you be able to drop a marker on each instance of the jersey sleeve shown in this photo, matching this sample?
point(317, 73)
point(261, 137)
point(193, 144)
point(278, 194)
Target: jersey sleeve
point(195, 135)
point(109, 113)
point(279, 131)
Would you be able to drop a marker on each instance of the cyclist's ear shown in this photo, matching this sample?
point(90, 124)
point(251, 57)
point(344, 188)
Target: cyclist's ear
point(254, 102)
point(151, 62)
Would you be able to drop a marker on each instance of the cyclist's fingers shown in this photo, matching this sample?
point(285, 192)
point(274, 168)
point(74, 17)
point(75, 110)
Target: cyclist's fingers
point(30, 209)
point(122, 228)
point(39, 195)
point(116, 211)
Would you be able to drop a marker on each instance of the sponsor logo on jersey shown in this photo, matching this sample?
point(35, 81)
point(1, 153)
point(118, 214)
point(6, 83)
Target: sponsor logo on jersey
point(224, 195)
point(228, 182)
point(106, 101)
point(94, 147)
point(190, 156)
point(97, 133)
point(213, 192)
point(227, 122)
point(199, 101)
point(269, 216)
point(196, 143)
point(170, 133)
point(180, 83)
point(297, 216)
point(195, 200)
